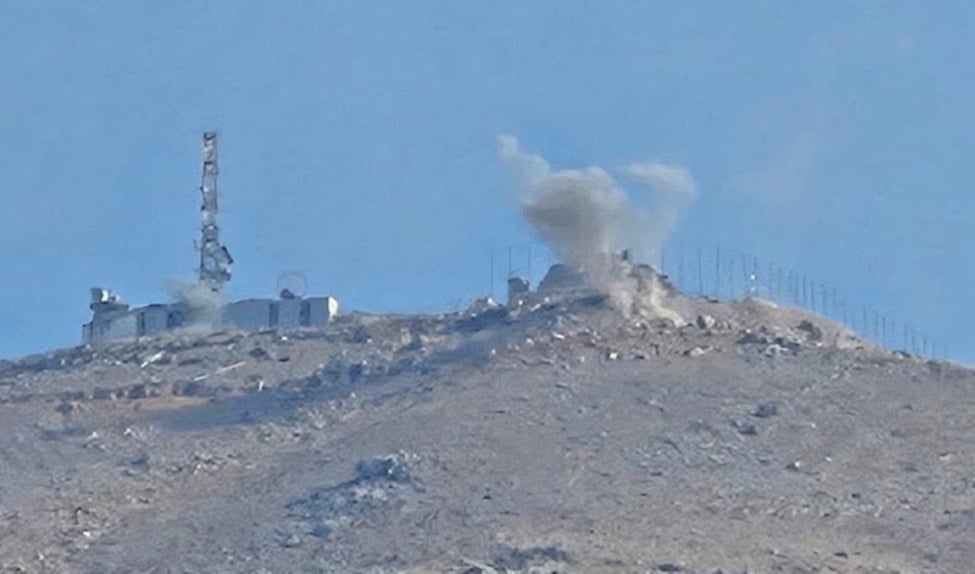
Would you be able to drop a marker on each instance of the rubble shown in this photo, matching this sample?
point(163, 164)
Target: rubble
point(509, 559)
point(775, 349)
point(379, 484)
point(813, 332)
point(291, 541)
point(765, 410)
point(482, 305)
point(519, 290)
point(391, 467)
point(160, 358)
point(259, 353)
point(706, 322)
point(746, 428)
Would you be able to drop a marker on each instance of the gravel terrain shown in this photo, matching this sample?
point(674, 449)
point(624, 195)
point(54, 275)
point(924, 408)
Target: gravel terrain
point(559, 437)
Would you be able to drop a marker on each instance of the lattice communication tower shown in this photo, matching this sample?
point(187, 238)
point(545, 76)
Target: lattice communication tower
point(215, 260)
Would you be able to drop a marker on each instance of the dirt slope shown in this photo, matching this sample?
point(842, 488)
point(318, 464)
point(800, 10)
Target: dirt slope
point(557, 438)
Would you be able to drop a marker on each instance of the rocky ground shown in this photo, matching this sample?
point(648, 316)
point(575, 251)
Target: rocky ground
point(558, 437)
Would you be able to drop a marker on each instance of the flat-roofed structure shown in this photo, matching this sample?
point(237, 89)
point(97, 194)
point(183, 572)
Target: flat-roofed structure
point(113, 319)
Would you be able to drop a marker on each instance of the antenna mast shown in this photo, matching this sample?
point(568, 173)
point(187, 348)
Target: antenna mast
point(215, 260)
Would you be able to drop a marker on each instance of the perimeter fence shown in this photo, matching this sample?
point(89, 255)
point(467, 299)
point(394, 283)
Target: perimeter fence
point(726, 273)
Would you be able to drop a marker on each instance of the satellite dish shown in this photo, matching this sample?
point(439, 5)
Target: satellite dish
point(291, 285)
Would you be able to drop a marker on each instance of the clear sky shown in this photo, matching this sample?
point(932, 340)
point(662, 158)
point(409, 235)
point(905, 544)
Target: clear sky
point(358, 142)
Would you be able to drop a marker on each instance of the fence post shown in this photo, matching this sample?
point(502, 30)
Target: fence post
point(717, 272)
point(491, 290)
point(778, 283)
point(744, 276)
point(731, 275)
point(700, 272)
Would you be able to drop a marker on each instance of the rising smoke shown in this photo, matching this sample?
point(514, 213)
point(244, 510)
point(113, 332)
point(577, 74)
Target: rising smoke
point(586, 217)
point(203, 305)
point(669, 191)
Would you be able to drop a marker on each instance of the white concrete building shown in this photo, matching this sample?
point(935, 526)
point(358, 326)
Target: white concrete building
point(113, 319)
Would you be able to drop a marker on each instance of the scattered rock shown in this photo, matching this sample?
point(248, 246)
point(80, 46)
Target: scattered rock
point(482, 305)
point(788, 343)
point(259, 353)
point(747, 429)
point(765, 410)
point(774, 350)
point(67, 406)
point(161, 358)
point(358, 371)
point(193, 389)
point(706, 322)
point(508, 558)
point(392, 468)
point(749, 337)
point(814, 333)
point(321, 530)
point(383, 489)
point(101, 394)
point(379, 485)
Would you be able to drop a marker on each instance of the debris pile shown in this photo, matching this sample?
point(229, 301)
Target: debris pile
point(380, 485)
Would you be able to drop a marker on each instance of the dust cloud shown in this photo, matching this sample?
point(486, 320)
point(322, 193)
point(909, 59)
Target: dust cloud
point(588, 219)
point(203, 305)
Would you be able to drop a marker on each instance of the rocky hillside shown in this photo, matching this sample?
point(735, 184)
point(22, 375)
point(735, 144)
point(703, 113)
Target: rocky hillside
point(561, 436)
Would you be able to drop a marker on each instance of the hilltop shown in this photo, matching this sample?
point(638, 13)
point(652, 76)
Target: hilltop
point(562, 435)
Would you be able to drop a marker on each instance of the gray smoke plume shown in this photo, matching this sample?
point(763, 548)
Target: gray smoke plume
point(203, 305)
point(585, 217)
point(580, 214)
point(669, 191)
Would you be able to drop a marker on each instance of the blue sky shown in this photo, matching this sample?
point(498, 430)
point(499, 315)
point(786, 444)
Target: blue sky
point(358, 142)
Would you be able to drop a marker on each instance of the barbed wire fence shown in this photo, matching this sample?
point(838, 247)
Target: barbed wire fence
point(529, 260)
point(725, 273)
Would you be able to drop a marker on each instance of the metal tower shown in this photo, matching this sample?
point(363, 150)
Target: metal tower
point(215, 260)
